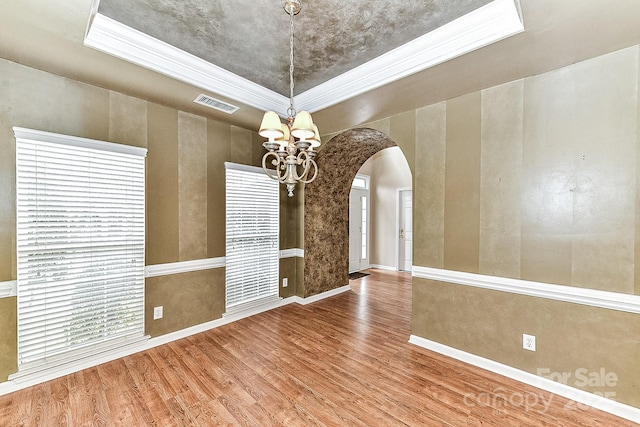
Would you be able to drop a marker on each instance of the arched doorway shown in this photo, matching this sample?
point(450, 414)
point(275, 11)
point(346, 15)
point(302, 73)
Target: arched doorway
point(326, 207)
point(387, 181)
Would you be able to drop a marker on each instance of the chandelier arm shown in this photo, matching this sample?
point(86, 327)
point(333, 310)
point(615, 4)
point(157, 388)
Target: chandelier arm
point(277, 162)
point(306, 162)
point(301, 159)
point(310, 162)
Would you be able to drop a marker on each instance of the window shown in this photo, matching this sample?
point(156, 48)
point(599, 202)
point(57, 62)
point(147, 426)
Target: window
point(363, 228)
point(361, 181)
point(252, 242)
point(80, 246)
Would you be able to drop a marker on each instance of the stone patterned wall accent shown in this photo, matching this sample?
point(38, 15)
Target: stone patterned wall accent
point(326, 207)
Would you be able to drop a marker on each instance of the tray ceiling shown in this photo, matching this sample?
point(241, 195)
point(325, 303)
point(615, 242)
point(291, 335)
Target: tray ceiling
point(250, 38)
point(239, 49)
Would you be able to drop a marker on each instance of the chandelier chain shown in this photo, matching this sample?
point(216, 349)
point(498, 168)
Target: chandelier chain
point(290, 146)
point(291, 111)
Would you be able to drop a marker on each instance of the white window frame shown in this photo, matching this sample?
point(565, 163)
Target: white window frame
point(252, 265)
point(68, 182)
point(361, 181)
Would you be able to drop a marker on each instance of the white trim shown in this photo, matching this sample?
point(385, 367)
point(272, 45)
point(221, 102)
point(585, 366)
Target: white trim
point(93, 11)
point(365, 178)
point(196, 265)
point(488, 24)
point(76, 141)
point(8, 289)
point(13, 385)
point(593, 297)
point(121, 41)
point(580, 396)
point(356, 194)
point(383, 267)
point(183, 266)
point(290, 253)
point(19, 380)
point(318, 297)
point(398, 215)
point(244, 168)
point(246, 309)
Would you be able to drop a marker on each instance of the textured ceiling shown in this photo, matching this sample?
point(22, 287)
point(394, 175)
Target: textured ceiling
point(250, 38)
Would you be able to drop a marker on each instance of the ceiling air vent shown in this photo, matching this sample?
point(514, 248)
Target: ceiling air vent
point(216, 104)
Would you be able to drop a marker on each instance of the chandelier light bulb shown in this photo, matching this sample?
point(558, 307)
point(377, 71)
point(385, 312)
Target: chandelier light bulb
point(284, 140)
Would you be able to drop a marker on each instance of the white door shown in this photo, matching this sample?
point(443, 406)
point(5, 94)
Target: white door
point(358, 229)
point(405, 244)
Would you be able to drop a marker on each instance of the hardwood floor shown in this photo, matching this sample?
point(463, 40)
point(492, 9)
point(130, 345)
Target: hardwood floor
point(343, 361)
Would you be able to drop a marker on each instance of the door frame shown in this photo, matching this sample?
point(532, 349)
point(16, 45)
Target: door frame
point(398, 214)
point(363, 190)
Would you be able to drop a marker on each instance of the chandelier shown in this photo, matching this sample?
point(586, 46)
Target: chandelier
point(290, 146)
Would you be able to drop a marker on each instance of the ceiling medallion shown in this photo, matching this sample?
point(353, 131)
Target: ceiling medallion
point(291, 145)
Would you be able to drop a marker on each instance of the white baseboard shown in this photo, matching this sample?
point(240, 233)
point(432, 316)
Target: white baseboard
point(383, 267)
point(318, 297)
point(21, 382)
point(577, 396)
point(15, 385)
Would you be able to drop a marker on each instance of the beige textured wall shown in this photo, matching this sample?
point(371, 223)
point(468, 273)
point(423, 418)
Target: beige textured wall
point(291, 214)
point(185, 188)
point(8, 337)
point(162, 240)
point(429, 186)
point(536, 179)
point(188, 299)
point(192, 186)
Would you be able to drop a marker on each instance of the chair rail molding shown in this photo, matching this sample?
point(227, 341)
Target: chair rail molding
point(8, 288)
point(593, 297)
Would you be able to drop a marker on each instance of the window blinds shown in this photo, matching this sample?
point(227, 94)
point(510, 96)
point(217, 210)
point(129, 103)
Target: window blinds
point(80, 245)
point(252, 241)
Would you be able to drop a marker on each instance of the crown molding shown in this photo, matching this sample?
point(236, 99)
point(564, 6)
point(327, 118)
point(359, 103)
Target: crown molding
point(116, 39)
point(488, 24)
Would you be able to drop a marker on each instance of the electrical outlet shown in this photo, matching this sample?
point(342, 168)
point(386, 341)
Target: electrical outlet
point(529, 342)
point(285, 282)
point(157, 313)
